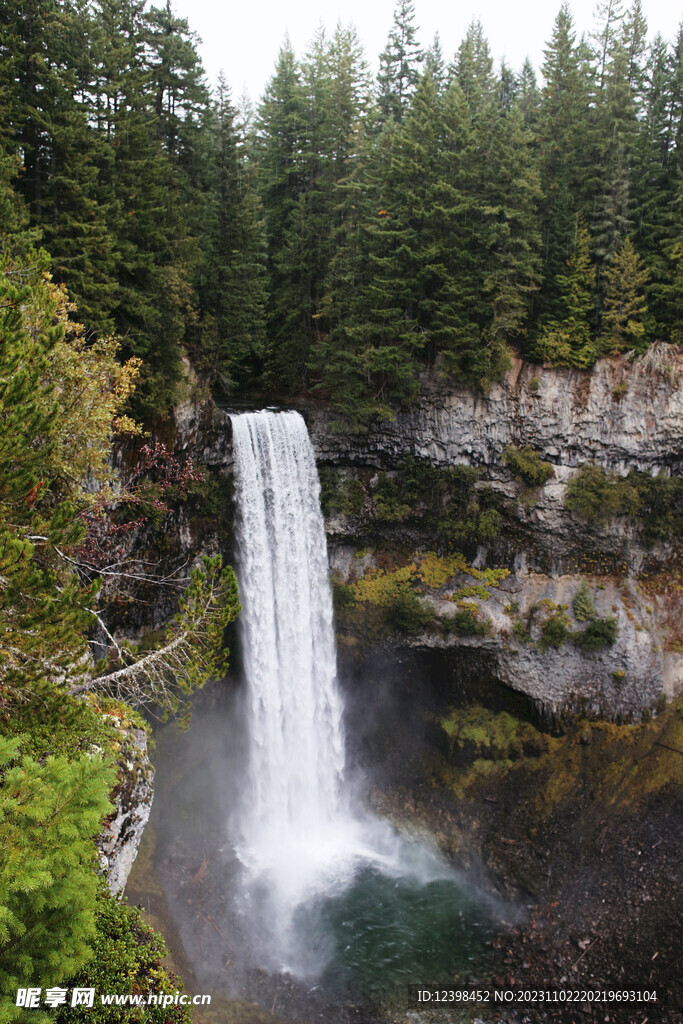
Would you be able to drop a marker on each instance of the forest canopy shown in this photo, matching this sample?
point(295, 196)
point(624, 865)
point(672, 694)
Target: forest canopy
point(348, 232)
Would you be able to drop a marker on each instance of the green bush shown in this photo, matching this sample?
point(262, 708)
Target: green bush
point(50, 810)
point(657, 501)
point(527, 465)
point(599, 496)
point(466, 622)
point(127, 957)
point(340, 492)
point(661, 506)
point(583, 606)
point(521, 631)
point(554, 631)
point(598, 634)
point(443, 502)
point(407, 614)
point(342, 593)
point(389, 499)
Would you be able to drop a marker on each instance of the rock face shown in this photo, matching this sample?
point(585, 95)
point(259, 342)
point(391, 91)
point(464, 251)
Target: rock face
point(118, 844)
point(623, 415)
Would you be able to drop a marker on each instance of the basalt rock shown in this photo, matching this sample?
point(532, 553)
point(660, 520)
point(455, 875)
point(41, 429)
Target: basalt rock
point(132, 797)
point(623, 415)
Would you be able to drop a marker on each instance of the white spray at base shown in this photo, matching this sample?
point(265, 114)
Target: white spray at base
point(300, 835)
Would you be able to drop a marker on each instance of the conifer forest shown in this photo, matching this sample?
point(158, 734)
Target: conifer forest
point(329, 246)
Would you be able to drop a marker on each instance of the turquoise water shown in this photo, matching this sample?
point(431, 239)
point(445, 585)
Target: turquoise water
point(383, 933)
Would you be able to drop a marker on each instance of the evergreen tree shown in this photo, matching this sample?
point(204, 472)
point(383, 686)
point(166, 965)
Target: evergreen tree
point(434, 63)
point(473, 68)
point(399, 64)
point(280, 130)
point(528, 98)
point(50, 811)
point(561, 130)
point(231, 284)
point(623, 319)
point(569, 341)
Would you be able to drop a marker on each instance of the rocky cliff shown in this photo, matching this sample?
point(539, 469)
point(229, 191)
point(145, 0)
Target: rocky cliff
point(623, 415)
point(132, 797)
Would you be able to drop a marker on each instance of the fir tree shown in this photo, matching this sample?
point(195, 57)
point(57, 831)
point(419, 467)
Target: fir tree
point(625, 309)
point(569, 341)
point(50, 811)
point(399, 64)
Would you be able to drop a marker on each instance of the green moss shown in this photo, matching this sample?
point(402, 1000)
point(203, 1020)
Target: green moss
point(616, 764)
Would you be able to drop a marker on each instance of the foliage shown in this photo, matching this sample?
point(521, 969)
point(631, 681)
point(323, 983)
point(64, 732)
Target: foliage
point(349, 237)
point(598, 495)
point(655, 501)
point(599, 633)
point(584, 609)
point(190, 652)
point(435, 571)
point(527, 464)
point(50, 811)
point(569, 341)
point(625, 307)
point(661, 505)
point(126, 958)
point(61, 394)
point(554, 630)
point(466, 621)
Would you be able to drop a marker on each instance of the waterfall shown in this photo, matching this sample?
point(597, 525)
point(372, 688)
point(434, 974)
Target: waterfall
point(298, 832)
point(301, 838)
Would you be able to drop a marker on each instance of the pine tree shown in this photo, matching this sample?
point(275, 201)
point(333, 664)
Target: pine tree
point(280, 131)
point(50, 811)
point(434, 63)
point(569, 341)
point(399, 64)
point(231, 286)
point(561, 130)
point(625, 309)
point(513, 196)
point(473, 68)
point(528, 98)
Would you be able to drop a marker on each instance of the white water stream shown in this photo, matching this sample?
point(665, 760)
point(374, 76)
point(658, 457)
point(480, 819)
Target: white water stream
point(300, 835)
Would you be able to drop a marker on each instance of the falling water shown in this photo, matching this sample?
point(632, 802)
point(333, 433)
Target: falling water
point(309, 855)
point(297, 826)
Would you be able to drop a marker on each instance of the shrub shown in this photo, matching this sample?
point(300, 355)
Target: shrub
point(598, 634)
point(388, 497)
point(661, 505)
point(599, 496)
point(466, 621)
point(127, 959)
point(49, 811)
point(521, 631)
point(407, 614)
point(339, 493)
point(554, 631)
point(584, 609)
point(527, 465)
